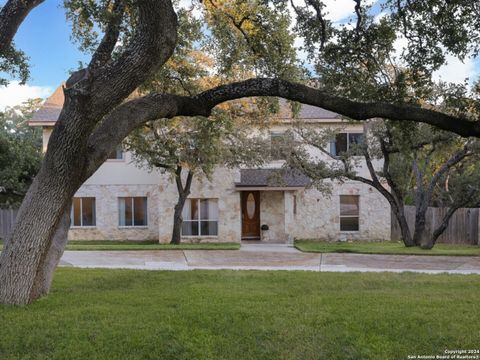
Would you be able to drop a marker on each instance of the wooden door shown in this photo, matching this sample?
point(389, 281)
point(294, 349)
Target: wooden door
point(250, 215)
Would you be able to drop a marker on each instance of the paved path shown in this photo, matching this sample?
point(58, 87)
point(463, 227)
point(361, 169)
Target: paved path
point(268, 257)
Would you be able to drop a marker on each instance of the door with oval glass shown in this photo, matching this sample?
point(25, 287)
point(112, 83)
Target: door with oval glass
point(250, 215)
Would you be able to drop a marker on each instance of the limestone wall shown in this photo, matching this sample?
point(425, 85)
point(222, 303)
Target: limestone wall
point(300, 214)
point(222, 187)
point(107, 223)
point(318, 215)
point(272, 213)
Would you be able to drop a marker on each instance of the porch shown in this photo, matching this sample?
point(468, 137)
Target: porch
point(268, 199)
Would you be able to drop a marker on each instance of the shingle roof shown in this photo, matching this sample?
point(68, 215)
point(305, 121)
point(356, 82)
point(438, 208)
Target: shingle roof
point(306, 112)
point(51, 109)
point(271, 178)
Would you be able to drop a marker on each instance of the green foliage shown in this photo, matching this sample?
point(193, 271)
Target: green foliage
point(131, 314)
point(14, 64)
point(20, 152)
point(198, 144)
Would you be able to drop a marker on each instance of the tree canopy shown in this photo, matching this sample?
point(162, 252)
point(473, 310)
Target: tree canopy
point(20, 152)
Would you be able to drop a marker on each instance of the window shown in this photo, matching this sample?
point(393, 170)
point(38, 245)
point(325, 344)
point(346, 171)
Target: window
point(200, 217)
point(132, 211)
point(83, 211)
point(345, 142)
point(116, 154)
point(280, 144)
point(349, 212)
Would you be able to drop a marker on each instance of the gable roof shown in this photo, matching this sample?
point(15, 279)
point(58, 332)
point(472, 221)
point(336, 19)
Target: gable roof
point(272, 178)
point(48, 114)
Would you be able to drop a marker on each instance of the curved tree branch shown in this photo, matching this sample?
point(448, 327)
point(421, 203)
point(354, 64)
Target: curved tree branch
point(126, 117)
point(12, 15)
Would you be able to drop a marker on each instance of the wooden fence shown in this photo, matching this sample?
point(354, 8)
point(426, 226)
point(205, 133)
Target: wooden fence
point(7, 219)
point(462, 229)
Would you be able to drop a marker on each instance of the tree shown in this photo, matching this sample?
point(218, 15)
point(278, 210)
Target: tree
point(195, 146)
point(20, 152)
point(135, 40)
point(402, 163)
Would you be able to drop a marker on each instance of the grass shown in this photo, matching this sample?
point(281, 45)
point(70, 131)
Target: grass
point(127, 314)
point(384, 247)
point(145, 245)
point(111, 245)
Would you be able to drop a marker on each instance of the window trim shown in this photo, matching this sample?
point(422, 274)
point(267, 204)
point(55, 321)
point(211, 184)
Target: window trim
point(133, 213)
point(72, 217)
point(348, 216)
point(199, 220)
point(348, 133)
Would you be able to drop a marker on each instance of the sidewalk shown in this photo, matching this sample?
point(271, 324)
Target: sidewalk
point(269, 257)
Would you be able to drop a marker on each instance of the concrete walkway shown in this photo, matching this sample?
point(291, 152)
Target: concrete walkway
point(268, 257)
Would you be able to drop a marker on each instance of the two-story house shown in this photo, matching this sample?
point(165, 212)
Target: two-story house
point(124, 202)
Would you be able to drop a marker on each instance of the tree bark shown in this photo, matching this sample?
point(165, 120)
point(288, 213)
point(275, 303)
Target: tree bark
point(423, 196)
point(26, 261)
point(12, 15)
point(44, 278)
point(183, 192)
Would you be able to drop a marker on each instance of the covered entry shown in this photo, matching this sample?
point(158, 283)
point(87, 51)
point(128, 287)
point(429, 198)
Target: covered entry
point(250, 201)
point(263, 205)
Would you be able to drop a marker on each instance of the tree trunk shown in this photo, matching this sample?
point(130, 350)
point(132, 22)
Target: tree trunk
point(27, 250)
point(177, 221)
point(44, 277)
point(399, 213)
point(49, 197)
point(431, 241)
point(420, 234)
point(183, 192)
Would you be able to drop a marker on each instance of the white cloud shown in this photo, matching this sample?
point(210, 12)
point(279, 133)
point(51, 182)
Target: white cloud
point(15, 94)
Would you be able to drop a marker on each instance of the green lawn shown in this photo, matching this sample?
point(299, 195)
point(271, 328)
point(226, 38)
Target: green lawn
point(143, 245)
point(384, 247)
point(127, 314)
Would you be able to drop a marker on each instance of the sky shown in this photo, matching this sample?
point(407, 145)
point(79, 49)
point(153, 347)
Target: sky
point(45, 38)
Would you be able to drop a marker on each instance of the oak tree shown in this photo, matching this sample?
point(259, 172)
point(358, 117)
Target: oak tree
point(130, 42)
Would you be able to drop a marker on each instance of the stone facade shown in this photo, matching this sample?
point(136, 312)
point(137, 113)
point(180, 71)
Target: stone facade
point(301, 214)
point(221, 188)
point(318, 215)
point(107, 217)
point(272, 214)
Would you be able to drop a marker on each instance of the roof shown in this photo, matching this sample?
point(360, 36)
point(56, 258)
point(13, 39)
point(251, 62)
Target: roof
point(50, 110)
point(306, 112)
point(272, 178)
point(48, 114)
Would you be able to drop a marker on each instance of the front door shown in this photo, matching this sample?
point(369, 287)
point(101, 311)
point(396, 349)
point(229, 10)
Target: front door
point(250, 215)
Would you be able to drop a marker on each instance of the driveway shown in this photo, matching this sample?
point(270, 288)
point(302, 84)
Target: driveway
point(268, 257)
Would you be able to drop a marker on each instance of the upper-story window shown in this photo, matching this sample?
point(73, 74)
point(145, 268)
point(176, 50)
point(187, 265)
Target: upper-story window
point(117, 154)
point(280, 144)
point(346, 142)
point(83, 211)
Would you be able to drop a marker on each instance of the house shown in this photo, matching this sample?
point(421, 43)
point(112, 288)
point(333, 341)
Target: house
point(121, 201)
